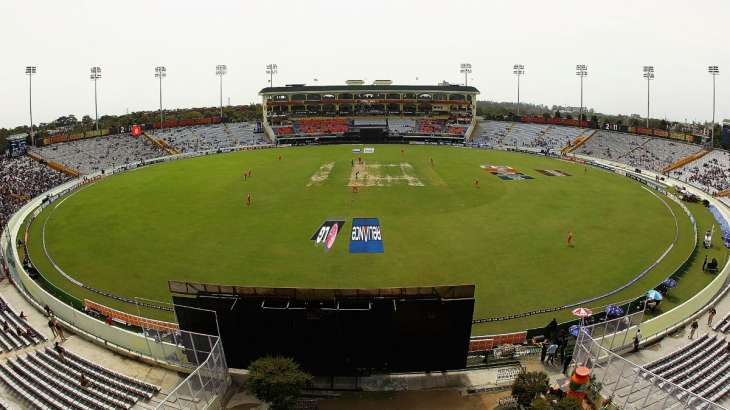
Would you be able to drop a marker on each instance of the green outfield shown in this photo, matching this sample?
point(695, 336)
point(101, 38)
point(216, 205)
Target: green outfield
point(188, 220)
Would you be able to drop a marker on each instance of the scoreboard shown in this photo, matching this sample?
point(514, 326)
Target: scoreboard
point(17, 145)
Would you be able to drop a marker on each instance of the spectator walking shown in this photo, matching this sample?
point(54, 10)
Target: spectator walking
point(60, 350)
point(551, 352)
point(59, 329)
point(83, 381)
point(711, 315)
point(566, 362)
point(543, 351)
point(693, 328)
point(52, 326)
point(637, 340)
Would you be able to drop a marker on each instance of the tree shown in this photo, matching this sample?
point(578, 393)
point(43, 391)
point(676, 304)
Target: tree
point(566, 403)
point(528, 386)
point(86, 121)
point(569, 403)
point(540, 404)
point(276, 380)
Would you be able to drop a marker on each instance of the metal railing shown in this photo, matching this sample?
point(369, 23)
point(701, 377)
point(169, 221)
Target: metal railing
point(627, 384)
point(207, 384)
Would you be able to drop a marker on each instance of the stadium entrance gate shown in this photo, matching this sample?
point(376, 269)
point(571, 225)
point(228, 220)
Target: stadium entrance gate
point(340, 332)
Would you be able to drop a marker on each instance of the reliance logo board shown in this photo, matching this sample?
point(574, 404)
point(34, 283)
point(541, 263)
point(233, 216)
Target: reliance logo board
point(365, 236)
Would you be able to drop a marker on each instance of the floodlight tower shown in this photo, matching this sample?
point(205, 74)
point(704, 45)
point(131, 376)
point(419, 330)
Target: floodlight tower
point(160, 73)
point(95, 76)
point(220, 71)
point(649, 75)
point(466, 70)
point(271, 69)
point(519, 71)
point(581, 70)
point(714, 72)
point(30, 72)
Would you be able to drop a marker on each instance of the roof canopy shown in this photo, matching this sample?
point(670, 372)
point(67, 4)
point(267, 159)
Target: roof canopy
point(369, 87)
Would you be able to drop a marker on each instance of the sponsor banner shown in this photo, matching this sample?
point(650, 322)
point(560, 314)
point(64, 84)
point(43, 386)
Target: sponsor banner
point(553, 172)
point(505, 172)
point(368, 150)
point(356, 150)
point(365, 236)
point(326, 234)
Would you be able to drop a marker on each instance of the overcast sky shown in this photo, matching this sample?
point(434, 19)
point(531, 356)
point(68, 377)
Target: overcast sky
point(409, 42)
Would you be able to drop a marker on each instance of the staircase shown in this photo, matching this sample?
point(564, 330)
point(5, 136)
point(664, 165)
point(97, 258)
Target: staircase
point(723, 193)
point(506, 134)
point(579, 141)
point(637, 148)
point(55, 165)
point(162, 144)
point(686, 160)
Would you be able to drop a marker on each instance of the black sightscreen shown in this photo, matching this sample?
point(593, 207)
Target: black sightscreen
point(362, 336)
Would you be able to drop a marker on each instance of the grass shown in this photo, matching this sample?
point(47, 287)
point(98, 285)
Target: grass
point(187, 220)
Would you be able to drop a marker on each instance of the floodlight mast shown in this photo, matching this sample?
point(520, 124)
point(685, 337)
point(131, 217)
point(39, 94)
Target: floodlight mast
point(160, 73)
point(95, 76)
point(466, 70)
point(220, 71)
point(271, 69)
point(649, 75)
point(519, 71)
point(30, 71)
point(714, 72)
point(581, 70)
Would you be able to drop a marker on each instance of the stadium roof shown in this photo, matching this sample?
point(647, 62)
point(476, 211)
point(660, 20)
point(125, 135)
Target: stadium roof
point(368, 87)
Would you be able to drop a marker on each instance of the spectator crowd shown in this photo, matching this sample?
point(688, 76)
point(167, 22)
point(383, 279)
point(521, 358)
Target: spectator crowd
point(21, 179)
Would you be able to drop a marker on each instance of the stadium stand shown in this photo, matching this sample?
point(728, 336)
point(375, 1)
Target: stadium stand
point(522, 135)
point(284, 130)
point(710, 173)
point(491, 133)
point(456, 129)
point(654, 154)
point(210, 137)
point(401, 126)
point(21, 178)
point(51, 379)
point(94, 154)
point(15, 332)
point(428, 126)
point(723, 326)
point(314, 126)
point(702, 367)
point(611, 146)
point(658, 153)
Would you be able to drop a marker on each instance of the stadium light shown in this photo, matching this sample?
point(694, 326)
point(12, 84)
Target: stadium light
point(160, 73)
point(581, 70)
point(466, 70)
point(271, 69)
point(714, 72)
point(220, 71)
point(519, 71)
point(30, 71)
point(95, 76)
point(649, 75)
